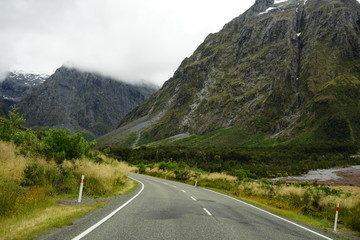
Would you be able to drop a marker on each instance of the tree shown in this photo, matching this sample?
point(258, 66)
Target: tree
point(16, 119)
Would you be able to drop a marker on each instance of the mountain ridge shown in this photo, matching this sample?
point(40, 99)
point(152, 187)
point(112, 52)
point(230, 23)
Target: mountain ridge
point(81, 101)
point(17, 85)
point(286, 69)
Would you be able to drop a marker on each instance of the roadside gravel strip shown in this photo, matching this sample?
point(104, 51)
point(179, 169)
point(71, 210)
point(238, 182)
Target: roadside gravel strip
point(162, 209)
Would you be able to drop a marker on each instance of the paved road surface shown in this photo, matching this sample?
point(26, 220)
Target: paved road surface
point(162, 209)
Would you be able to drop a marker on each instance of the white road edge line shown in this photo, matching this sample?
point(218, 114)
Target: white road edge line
point(209, 213)
point(90, 229)
point(193, 198)
point(274, 215)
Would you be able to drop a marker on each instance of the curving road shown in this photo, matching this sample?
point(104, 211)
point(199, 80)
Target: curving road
point(162, 209)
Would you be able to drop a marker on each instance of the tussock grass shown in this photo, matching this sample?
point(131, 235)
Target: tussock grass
point(159, 172)
point(215, 175)
point(290, 190)
point(104, 178)
point(12, 165)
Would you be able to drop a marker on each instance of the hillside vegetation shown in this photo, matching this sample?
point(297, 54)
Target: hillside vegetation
point(36, 168)
point(290, 74)
point(258, 162)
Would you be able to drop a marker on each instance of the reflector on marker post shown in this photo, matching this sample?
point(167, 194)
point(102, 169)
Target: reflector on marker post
point(336, 216)
point(81, 188)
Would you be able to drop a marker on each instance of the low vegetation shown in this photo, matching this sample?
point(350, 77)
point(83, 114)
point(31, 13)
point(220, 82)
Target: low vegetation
point(37, 168)
point(253, 162)
point(315, 201)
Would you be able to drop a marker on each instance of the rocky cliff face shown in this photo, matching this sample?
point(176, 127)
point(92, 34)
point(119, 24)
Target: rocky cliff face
point(81, 101)
point(2, 107)
point(284, 68)
point(17, 85)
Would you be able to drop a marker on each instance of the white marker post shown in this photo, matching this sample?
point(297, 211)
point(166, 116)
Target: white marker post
point(195, 183)
point(81, 188)
point(336, 216)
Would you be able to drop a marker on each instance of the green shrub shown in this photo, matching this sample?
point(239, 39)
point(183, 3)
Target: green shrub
point(182, 174)
point(141, 167)
point(61, 145)
point(162, 166)
point(44, 175)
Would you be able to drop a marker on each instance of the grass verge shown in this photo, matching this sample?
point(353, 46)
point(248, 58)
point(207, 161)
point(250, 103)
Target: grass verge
point(42, 220)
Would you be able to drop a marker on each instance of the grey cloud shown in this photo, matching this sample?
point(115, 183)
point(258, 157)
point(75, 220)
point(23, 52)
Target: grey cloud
point(129, 40)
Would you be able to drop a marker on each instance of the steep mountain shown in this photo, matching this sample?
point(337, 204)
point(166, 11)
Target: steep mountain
point(81, 101)
point(2, 107)
point(17, 85)
point(285, 70)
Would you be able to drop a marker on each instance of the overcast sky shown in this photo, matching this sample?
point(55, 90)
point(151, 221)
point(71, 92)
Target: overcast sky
point(131, 40)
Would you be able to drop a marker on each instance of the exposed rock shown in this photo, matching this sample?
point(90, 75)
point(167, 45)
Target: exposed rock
point(81, 101)
point(17, 85)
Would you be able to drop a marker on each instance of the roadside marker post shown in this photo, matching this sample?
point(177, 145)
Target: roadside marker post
point(195, 183)
point(336, 216)
point(81, 188)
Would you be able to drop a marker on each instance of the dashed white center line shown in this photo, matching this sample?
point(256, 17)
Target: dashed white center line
point(193, 198)
point(183, 191)
point(175, 186)
point(209, 213)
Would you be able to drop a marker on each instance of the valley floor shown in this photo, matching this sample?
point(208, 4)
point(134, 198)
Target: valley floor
point(349, 176)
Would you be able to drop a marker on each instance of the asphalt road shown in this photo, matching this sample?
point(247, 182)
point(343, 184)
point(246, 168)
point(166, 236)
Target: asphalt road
point(161, 209)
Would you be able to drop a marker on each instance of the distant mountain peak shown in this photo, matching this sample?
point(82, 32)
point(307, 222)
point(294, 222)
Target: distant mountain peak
point(19, 84)
point(81, 101)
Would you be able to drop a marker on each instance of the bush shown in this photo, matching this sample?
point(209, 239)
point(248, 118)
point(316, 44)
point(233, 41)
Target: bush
point(43, 175)
point(141, 167)
point(182, 174)
point(61, 145)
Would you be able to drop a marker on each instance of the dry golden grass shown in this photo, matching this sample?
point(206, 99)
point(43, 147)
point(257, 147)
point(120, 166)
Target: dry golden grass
point(216, 175)
point(348, 202)
point(350, 197)
point(109, 174)
point(253, 188)
point(288, 190)
point(12, 166)
point(348, 189)
point(167, 173)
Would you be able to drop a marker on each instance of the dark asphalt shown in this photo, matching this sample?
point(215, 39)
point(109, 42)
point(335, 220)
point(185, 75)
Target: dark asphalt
point(171, 210)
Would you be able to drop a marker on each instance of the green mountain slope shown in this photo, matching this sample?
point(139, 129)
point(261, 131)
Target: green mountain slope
point(280, 72)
